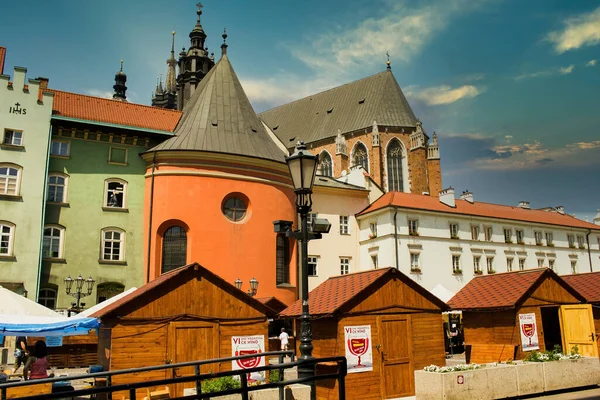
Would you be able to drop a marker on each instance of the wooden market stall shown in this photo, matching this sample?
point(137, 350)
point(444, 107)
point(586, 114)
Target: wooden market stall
point(186, 314)
point(386, 325)
point(504, 315)
point(589, 287)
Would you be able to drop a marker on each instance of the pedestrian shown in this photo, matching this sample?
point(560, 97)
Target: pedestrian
point(37, 363)
point(284, 339)
point(21, 352)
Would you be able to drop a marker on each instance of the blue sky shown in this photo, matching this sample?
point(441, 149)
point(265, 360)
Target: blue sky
point(511, 87)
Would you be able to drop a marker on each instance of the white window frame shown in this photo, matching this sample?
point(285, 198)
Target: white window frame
point(313, 260)
point(106, 200)
point(520, 233)
point(61, 240)
point(549, 238)
point(475, 232)
point(373, 230)
point(571, 240)
point(489, 233)
point(522, 264)
point(415, 262)
point(8, 238)
point(456, 268)
point(507, 238)
point(413, 226)
point(581, 241)
point(454, 229)
point(5, 179)
point(374, 261)
point(64, 186)
point(60, 147)
point(489, 262)
point(344, 225)
point(104, 242)
point(539, 237)
point(509, 263)
point(12, 140)
point(344, 265)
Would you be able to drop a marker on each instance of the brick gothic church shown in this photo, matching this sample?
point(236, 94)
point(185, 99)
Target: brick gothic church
point(366, 123)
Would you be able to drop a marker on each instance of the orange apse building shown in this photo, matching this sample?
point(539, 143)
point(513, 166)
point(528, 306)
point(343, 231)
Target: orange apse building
point(214, 190)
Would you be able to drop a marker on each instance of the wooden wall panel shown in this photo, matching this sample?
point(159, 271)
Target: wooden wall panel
point(550, 292)
point(596, 313)
point(428, 340)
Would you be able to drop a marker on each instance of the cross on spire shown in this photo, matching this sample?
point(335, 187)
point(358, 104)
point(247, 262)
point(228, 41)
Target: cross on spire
point(389, 66)
point(121, 66)
point(199, 12)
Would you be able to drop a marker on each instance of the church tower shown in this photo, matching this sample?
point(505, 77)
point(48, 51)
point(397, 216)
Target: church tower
point(194, 63)
point(119, 86)
point(167, 97)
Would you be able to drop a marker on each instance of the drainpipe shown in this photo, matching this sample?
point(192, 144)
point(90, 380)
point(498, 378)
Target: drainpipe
point(587, 239)
point(39, 277)
point(151, 207)
point(396, 237)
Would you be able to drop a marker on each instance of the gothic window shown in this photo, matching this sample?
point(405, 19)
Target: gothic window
point(174, 248)
point(394, 167)
point(325, 164)
point(107, 290)
point(360, 157)
point(282, 259)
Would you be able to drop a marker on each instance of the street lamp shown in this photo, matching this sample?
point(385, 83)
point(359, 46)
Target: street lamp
point(303, 167)
point(253, 286)
point(79, 294)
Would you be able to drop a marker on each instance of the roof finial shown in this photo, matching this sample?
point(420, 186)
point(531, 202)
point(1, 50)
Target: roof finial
point(224, 35)
point(389, 66)
point(224, 45)
point(121, 70)
point(199, 12)
point(173, 42)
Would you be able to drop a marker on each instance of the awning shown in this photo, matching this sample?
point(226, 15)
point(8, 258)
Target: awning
point(26, 325)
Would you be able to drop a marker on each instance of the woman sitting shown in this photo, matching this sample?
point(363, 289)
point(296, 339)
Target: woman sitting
point(37, 363)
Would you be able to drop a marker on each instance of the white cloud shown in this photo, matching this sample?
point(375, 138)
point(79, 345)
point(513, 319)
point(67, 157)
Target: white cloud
point(566, 70)
point(546, 73)
point(99, 93)
point(579, 31)
point(443, 94)
point(591, 63)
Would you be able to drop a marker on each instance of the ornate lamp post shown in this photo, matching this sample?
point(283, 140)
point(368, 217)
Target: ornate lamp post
point(253, 286)
point(303, 167)
point(79, 294)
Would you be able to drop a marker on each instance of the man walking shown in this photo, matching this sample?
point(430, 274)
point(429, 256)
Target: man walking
point(21, 352)
point(284, 339)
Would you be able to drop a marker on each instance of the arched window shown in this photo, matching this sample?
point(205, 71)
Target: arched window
point(174, 248)
point(57, 188)
point(7, 238)
point(113, 244)
point(360, 157)
point(47, 296)
point(282, 253)
point(106, 290)
point(325, 164)
point(10, 175)
point(394, 166)
point(53, 242)
point(115, 193)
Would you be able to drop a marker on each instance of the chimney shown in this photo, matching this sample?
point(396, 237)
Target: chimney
point(597, 217)
point(447, 197)
point(468, 196)
point(2, 57)
point(43, 86)
point(560, 210)
point(525, 205)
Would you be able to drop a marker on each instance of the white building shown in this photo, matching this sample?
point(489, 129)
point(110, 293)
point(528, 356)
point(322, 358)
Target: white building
point(442, 242)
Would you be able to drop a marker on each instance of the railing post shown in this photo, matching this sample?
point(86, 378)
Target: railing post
point(3, 394)
point(244, 380)
point(281, 388)
point(132, 394)
point(198, 382)
point(108, 384)
point(342, 371)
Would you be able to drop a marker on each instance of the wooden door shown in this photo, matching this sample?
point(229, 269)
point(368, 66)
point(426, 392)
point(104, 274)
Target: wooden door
point(577, 326)
point(396, 357)
point(192, 341)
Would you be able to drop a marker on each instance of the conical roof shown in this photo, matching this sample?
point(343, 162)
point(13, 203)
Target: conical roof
point(219, 118)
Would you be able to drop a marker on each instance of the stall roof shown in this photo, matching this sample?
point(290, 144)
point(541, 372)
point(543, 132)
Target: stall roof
point(336, 292)
point(159, 282)
point(504, 290)
point(587, 284)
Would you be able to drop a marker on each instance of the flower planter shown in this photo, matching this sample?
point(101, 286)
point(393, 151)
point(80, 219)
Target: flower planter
point(496, 381)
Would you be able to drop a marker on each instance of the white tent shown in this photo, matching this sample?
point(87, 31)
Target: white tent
point(100, 306)
point(442, 293)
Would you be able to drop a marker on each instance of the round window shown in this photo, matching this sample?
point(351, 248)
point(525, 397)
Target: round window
point(235, 207)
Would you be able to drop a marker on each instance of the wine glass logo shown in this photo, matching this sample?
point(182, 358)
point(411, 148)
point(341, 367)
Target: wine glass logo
point(528, 331)
point(249, 362)
point(358, 347)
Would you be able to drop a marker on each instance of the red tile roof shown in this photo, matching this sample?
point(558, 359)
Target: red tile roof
point(587, 284)
point(432, 203)
point(79, 106)
point(503, 290)
point(334, 293)
point(141, 291)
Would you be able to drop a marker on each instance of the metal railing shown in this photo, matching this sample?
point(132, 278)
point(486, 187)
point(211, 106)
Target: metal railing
point(197, 378)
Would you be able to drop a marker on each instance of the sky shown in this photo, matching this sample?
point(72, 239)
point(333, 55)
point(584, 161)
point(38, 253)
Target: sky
point(511, 87)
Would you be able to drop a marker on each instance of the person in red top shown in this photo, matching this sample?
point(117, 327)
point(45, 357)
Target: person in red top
point(37, 365)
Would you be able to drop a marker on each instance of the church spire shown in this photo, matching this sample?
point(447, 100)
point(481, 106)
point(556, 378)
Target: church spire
point(171, 82)
point(197, 35)
point(119, 86)
point(389, 65)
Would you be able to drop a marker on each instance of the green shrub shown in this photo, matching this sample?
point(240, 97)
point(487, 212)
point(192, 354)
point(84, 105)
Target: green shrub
point(220, 384)
point(274, 376)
